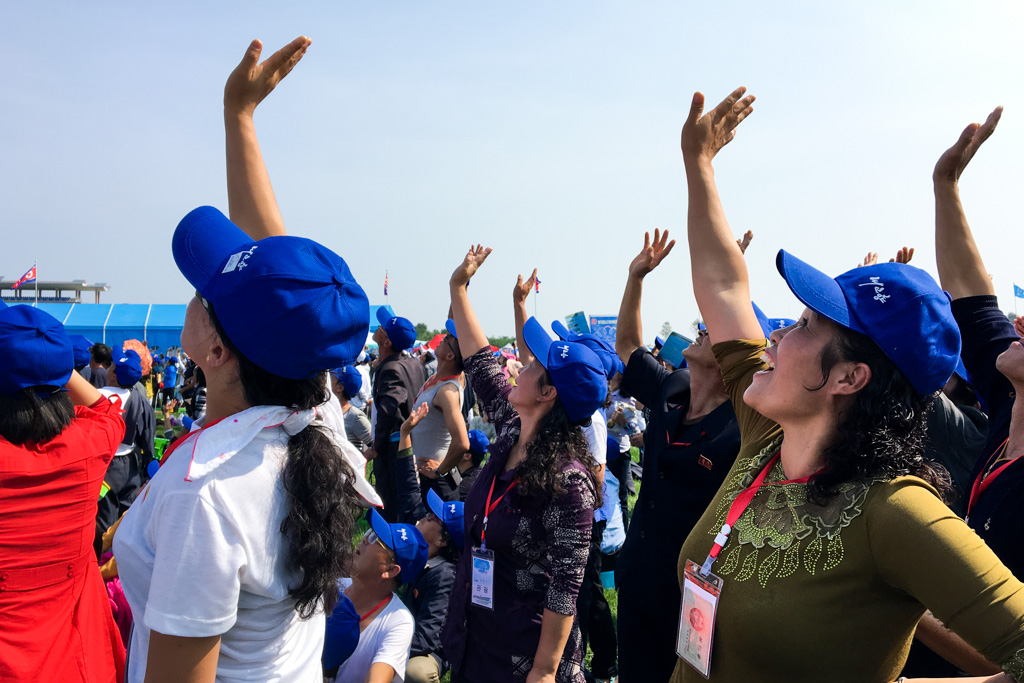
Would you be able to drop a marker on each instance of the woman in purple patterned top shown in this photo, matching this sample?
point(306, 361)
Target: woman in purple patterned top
point(540, 480)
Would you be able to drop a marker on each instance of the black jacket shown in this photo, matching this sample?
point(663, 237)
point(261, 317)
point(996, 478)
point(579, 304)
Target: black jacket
point(398, 379)
point(427, 599)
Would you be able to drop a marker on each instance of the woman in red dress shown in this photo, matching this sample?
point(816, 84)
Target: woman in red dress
point(57, 435)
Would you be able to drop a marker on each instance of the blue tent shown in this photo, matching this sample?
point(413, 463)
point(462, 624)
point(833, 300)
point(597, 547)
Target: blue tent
point(157, 324)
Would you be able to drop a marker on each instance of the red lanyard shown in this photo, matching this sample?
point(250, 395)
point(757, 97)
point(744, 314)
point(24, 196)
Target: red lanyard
point(983, 481)
point(435, 380)
point(739, 506)
point(489, 508)
point(363, 617)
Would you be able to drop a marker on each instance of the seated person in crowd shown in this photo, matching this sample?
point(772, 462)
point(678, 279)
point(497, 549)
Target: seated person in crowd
point(387, 556)
point(125, 473)
point(346, 383)
point(427, 597)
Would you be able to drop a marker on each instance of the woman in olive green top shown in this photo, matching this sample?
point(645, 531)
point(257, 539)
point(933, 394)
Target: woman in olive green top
point(825, 578)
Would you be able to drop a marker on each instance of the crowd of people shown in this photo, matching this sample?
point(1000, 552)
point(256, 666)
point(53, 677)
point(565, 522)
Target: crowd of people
point(835, 496)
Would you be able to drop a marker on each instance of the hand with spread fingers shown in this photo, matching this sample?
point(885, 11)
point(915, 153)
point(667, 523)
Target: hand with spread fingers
point(475, 258)
point(705, 134)
point(652, 254)
point(955, 159)
point(252, 81)
point(522, 289)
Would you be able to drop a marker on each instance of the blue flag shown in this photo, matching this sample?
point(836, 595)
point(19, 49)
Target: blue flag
point(1018, 292)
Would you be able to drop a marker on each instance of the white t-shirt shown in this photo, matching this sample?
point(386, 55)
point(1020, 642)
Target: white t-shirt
point(386, 639)
point(200, 553)
point(363, 396)
point(597, 437)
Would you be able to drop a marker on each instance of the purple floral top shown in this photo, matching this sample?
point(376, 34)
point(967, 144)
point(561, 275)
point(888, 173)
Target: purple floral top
point(540, 548)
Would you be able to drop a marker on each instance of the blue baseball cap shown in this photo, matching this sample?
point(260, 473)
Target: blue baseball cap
point(609, 359)
point(576, 372)
point(350, 378)
point(406, 541)
point(400, 331)
point(451, 515)
point(899, 307)
point(81, 347)
point(289, 304)
point(781, 323)
point(449, 325)
point(478, 442)
point(128, 367)
point(659, 342)
point(36, 350)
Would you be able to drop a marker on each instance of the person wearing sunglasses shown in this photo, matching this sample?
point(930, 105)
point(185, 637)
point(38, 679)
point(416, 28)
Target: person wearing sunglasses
point(388, 556)
point(691, 442)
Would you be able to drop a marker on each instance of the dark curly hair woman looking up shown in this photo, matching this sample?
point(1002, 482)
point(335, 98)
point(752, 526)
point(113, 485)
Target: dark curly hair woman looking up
point(530, 512)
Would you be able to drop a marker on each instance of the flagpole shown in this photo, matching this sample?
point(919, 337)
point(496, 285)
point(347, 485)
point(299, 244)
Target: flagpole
point(35, 266)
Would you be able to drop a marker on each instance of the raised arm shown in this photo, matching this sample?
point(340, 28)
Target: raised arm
point(629, 335)
point(720, 282)
point(471, 335)
point(961, 271)
point(251, 202)
point(519, 294)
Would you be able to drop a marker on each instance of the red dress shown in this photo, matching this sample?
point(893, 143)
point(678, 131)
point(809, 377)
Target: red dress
point(55, 618)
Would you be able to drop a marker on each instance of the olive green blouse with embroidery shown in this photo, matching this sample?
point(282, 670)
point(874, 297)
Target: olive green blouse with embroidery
point(834, 593)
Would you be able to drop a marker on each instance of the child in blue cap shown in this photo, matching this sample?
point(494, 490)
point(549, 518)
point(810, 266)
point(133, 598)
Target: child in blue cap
point(830, 521)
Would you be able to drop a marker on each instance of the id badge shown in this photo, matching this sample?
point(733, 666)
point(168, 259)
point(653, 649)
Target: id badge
point(483, 578)
point(697, 618)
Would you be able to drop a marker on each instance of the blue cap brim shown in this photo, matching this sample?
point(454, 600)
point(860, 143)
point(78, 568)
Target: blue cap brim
point(382, 529)
point(203, 241)
point(559, 328)
point(449, 325)
point(435, 504)
point(383, 316)
point(762, 319)
point(815, 289)
point(537, 340)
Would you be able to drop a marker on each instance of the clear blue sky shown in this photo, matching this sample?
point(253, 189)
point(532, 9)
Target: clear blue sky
point(547, 130)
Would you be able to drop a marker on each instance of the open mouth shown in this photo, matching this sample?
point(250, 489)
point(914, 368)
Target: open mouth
point(769, 363)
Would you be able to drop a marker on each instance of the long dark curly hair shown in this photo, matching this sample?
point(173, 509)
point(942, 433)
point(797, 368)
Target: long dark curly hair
point(882, 433)
point(323, 500)
point(558, 442)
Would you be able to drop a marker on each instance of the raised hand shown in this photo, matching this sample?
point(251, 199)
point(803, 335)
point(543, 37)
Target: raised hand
point(1018, 326)
point(415, 417)
point(522, 289)
point(955, 159)
point(869, 260)
point(705, 134)
point(251, 81)
point(475, 258)
point(744, 242)
point(652, 254)
point(903, 255)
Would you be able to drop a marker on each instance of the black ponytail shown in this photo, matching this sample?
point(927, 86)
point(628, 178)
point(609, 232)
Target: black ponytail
point(323, 500)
